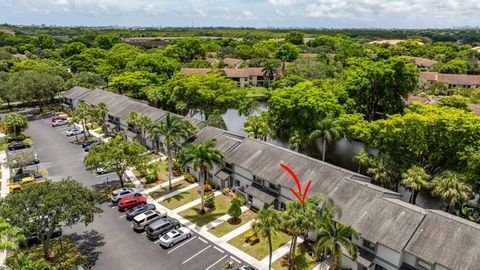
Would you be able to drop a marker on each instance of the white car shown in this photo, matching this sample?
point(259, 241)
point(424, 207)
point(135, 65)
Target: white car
point(73, 132)
point(121, 193)
point(146, 218)
point(59, 123)
point(175, 236)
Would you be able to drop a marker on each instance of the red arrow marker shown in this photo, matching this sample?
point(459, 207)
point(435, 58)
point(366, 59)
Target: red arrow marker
point(299, 186)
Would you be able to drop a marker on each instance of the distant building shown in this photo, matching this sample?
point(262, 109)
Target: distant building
point(451, 80)
point(252, 76)
point(423, 62)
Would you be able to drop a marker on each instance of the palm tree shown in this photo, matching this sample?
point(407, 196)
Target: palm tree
point(329, 208)
point(10, 236)
point(202, 156)
point(84, 114)
point(257, 127)
point(417, 179)
point(383, 171)
point(266, 224)
point(100, 113)
point(140, 123)
point(173, 129)
point(270, 70)
point(333, 237)
point(329, 129)
point(297, 140)
point(363, 158)
point(452, 188)
point(298, 219)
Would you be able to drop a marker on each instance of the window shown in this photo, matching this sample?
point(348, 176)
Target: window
point(229, 166)
point(257, 180)
point(282, 206)
point(237, 183)
point(423, 264)
point(379, 267)
point(371, 246)
point(273, 187)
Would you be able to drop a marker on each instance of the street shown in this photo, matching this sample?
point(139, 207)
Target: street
point(110, 242)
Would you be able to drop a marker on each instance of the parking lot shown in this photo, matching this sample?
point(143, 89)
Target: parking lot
point(110, 242)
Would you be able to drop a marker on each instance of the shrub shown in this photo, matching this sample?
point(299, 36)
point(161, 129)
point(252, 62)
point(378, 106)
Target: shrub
point(235, 211)
point(251, 237)
point(20, 137)
point(226, 190)
point(209, 200)
point(152, 176)
point(240, 199)
point(189, 178)
point(208, 187)
point(177, 169)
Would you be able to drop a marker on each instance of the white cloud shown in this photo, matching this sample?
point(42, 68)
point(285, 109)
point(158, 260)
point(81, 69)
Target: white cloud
point(284, 2)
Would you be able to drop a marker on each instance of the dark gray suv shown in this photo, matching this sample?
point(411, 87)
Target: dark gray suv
point(161, 226)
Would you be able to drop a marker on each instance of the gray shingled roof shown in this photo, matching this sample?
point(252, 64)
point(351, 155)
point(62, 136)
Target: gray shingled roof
point(264, 160)
point(225, 141)
point(447, 240)
point(75, 92)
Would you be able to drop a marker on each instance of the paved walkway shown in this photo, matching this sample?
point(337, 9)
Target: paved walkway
point(279, 252)
point(237, 231)
point(221, 219)
point(5, 180)
point(164, 184)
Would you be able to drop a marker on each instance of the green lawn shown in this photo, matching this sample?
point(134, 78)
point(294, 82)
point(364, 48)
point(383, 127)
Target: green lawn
point(181, 199)
point(162, 173)
point(303, 261)
point(222, 203)
point(164, 190)
point(61, 260)
point(227, 226)
point(260, 249)
point(256, 92)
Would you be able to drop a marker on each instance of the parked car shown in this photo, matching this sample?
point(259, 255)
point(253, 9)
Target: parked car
point(101, 171)
point(59, 123)
point(246, 267)
point(175, 236)
point(30, 175)
point(87, 148)
point(31, 238)
point(89, 142)
point(131, 201)
point(121, 193)
point(146, 218)
point(137, 210)
point(58, 118)
point(18, 146)
point(73, 132)
point(161, 226)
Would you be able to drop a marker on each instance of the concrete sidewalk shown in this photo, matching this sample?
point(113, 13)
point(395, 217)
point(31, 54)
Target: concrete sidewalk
point(221, 219)
point(245, 227)
point(279, 252)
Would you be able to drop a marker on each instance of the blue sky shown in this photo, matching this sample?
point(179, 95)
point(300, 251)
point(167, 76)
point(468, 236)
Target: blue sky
point(252, 13)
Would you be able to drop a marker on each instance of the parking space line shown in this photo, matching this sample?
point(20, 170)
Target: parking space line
point(143, 233)
point(216, 262)
point(113, 206)
point(181, 244)
point(196, 254)
point(235, 259)
point(158, 241)
point(203, 240)
point(122, 216)
point(219, 249)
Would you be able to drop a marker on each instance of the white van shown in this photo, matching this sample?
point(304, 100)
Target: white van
point(142, 220)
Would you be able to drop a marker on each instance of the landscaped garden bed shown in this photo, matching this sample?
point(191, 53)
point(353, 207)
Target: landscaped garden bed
point(222, 203)
point(259, 250)
point(229, 225)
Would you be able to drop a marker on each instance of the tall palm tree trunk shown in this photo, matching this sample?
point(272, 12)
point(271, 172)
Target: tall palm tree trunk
point(169, 154)
point(270, 251)
point(324, 149)
point(292, 254)
point(202, 190)
point(84, 130)
point(414, 196)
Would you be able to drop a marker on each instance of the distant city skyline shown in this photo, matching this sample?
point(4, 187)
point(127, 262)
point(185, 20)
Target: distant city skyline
point(247, 13)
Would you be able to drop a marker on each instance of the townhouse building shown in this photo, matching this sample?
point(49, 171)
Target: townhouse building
point(393, 234)
point(252, 76)
point(451, 80)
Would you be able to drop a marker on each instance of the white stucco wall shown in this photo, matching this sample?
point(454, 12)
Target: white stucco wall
point(388, 255)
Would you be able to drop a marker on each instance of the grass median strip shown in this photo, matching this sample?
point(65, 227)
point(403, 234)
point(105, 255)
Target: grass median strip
point(181, 199)
point(227, 226)
point(260, 249)
point(222, 203)
point(164, 190)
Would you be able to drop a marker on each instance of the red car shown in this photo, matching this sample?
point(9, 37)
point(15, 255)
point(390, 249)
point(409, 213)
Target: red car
point(58, 118)
point(131, 201)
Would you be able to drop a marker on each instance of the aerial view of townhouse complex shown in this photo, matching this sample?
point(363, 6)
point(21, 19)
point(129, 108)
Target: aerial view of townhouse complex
point(242, 135)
